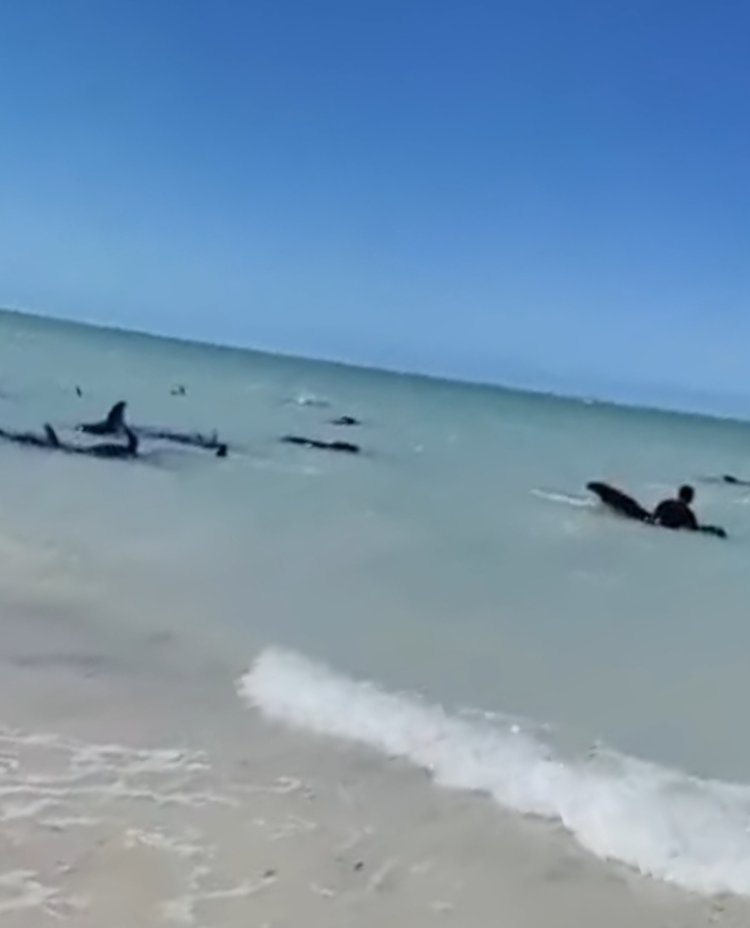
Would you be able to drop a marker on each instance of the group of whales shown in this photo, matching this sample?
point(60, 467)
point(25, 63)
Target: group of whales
point(50, 440)
point(114, 424)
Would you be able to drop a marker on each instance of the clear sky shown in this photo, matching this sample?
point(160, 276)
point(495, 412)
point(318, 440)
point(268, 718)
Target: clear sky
point(556, 189)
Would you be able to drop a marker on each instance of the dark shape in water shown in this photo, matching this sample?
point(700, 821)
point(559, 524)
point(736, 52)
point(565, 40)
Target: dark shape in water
point(193, 439)
point(49, 440)
point(109, 450)
point(345, 420)
point(30, 439)
point(625, 505)
point(715, 530)
point(735, 481)
point(343, 446)
point(79, 391)
point(622, 504)
point(179, 390)
point(102, 450)
point(113, 424)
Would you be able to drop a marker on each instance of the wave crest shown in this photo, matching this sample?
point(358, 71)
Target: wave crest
point(664, 823)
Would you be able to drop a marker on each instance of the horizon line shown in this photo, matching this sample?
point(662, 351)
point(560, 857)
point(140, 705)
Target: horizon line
point(563, 395)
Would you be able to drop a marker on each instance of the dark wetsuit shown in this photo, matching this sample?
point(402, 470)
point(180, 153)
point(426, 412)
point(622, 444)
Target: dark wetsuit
point(673, 513)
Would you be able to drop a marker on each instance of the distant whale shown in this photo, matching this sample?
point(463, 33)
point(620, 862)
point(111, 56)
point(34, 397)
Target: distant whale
point(50, 441)
point(734, 481)
point(345, 447)
point(114, 424)
point(110, 450)
point(30, 439)
point(193, 439)
point(725, 480)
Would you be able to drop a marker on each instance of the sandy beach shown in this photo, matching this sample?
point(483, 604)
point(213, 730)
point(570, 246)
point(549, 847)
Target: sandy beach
point(238, 821)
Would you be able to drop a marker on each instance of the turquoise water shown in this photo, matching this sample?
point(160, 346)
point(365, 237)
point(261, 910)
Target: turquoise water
point(458, 557)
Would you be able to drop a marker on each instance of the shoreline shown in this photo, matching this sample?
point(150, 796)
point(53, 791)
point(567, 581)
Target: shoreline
point(177, 805)
point(313, 833)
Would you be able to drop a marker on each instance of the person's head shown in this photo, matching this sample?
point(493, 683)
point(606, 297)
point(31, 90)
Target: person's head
point(686, 494)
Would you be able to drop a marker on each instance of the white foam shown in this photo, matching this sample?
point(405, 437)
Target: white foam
point(690, 832)
point(306, 398)
point(567, 499)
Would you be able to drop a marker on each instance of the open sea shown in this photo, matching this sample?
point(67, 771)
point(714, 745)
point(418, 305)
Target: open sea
point(451, 597)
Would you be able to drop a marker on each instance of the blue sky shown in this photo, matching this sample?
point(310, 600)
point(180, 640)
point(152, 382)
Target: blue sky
point(553, 190)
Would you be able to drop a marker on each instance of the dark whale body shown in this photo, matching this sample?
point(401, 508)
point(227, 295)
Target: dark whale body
point(630, 508)
point(50, 441)
point(193, 439)
point(30, 439)
point(345, 447)
point(622, 504)
point(109, 450)
point(114, 424)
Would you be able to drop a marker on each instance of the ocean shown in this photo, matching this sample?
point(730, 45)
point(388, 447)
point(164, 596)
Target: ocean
point(451, 601)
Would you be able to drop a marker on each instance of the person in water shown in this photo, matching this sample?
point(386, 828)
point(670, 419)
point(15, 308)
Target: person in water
point(676, 513)
point(670, 513)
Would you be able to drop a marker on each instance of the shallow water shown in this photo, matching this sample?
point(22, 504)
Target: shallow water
point(458, 557)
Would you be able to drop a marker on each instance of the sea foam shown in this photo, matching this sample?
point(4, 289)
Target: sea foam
point(663, 823)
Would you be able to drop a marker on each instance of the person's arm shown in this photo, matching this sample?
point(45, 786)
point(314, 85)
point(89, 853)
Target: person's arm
point(691, 520)
point(712, 530)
